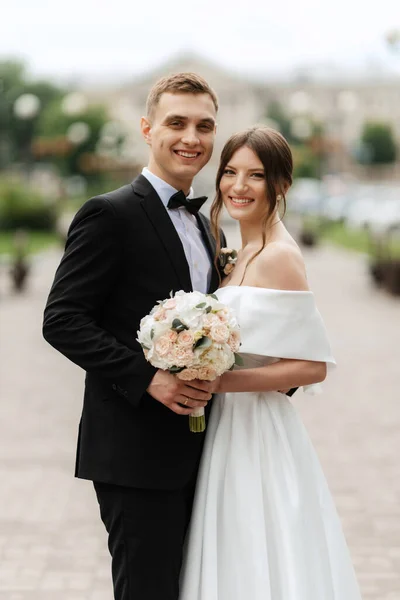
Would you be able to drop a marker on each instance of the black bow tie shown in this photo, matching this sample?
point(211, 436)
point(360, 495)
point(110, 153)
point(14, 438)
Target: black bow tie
point(192, 205)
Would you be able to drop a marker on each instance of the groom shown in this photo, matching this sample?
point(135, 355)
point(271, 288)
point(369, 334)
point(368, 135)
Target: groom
point(125, 250)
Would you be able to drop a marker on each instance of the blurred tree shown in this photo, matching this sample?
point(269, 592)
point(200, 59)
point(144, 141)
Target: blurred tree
point(21, 104)
point(276, 112)
point(12, 74)
point(306, 138)
point(378, 142)
point(24, 129)
point(306, 162)
point(76, 135)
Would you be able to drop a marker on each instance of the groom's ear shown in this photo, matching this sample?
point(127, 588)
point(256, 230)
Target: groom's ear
point(145, 127)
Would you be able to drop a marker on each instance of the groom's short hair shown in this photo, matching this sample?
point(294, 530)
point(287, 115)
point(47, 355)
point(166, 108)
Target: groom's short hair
point(179, 83)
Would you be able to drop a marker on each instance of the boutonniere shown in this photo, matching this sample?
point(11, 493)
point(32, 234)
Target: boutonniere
point(227, 259)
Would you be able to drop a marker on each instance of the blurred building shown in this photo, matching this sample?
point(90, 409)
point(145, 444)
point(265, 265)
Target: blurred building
point(341, 105)
point(241, 104)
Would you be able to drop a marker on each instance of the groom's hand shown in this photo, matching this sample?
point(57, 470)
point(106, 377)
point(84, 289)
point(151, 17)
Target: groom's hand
point(179, 396)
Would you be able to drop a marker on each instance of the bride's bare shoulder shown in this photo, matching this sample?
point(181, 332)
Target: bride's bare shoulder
point(281, 266)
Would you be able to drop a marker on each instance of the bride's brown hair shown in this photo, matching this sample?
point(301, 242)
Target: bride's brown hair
point(276, 157)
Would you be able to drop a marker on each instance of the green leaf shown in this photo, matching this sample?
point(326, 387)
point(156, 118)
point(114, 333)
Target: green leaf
point(144, 347)
point(204, 342)
point(152, 333)
point(234, 254)
point(213, 296)
point(208, 309)
point(174, 370)
point(239, 360)
point(178, 326)
point(201, 305)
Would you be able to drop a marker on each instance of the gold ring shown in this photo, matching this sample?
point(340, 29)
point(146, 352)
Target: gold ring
point(186, 401)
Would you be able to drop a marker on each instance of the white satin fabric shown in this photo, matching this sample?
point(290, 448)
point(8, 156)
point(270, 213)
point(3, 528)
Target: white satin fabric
point(264, 526)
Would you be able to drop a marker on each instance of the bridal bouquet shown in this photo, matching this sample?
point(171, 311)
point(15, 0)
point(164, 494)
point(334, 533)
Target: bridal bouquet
point(194, 336)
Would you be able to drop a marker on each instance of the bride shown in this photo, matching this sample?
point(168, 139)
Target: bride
point(264, 526)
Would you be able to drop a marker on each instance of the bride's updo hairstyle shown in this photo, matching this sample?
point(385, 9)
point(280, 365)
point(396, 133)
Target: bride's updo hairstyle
point(276, 157)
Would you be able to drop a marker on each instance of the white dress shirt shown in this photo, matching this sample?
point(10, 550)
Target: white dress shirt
point(188, 230)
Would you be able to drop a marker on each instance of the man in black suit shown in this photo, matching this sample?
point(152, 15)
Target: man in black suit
point(125, 250)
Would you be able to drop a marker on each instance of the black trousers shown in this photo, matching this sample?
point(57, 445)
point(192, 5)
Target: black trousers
point(146, 531)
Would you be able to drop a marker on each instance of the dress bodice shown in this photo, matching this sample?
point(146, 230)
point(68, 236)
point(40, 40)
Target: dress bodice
point(277, 324)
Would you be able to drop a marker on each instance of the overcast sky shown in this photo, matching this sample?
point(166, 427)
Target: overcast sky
point(117, 39)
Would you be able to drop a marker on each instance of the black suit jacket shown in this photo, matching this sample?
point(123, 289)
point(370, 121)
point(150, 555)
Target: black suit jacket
point(122, 255)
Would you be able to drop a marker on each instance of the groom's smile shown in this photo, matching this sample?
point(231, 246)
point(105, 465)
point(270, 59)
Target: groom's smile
point(180, 132)
point(187, 155)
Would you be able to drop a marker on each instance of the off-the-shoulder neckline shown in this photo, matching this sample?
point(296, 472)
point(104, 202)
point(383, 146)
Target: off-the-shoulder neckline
point(254, 287)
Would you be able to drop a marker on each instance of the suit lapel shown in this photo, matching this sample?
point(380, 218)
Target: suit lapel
point(165, 230)
point(211, 247)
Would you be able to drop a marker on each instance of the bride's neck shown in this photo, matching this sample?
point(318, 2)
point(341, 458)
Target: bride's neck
point(252, 233)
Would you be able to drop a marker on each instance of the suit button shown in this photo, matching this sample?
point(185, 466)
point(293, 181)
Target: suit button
point(114, 387)
point(125, 394)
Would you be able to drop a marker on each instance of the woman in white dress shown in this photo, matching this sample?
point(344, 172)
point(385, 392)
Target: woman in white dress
point(264, 526)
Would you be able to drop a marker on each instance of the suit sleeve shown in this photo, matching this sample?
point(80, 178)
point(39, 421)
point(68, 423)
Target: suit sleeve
point(84, 279)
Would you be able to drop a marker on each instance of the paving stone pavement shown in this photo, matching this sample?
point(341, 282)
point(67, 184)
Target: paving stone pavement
point(52, 543)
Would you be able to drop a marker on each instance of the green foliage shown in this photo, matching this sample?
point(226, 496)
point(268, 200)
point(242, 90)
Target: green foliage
point(276, 113)
point(378, 140)
point(306, 163)
point(20, 207)
point(339, 234)
point(16, 134)
point(307, 156)
point(37, 242)
point(54, 123)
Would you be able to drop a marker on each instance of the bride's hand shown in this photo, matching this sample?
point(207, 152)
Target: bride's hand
point(215, 385)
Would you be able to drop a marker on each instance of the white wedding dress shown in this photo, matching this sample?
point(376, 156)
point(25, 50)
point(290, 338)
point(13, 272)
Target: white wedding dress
point(264, 525)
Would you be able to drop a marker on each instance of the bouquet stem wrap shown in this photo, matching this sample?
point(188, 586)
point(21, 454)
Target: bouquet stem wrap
point(197, 421)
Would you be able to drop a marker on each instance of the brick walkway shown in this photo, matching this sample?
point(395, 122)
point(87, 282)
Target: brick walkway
point(52, 544)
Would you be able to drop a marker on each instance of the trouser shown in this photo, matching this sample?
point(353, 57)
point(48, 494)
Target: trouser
point(146, 531)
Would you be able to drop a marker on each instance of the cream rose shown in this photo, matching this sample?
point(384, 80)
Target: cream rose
point(222, 315)
point(210, 321)
point(234, 341)
point(182, 356)
point(220, 334)
point(188, 374)
point(186, 338)
point(160, 314)
point(207, 373)
point(172, 336)
point(163, 345)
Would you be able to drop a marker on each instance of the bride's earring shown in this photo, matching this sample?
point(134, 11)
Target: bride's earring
point(279, 197)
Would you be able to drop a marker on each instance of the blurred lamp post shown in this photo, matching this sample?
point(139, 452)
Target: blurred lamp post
point(74, 104)
point(301, 128)
point(110, 139)
point(78, 133)
point(300, 103)
point(26, 106)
